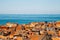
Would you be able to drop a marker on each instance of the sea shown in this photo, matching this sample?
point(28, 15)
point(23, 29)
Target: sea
point(28, 18)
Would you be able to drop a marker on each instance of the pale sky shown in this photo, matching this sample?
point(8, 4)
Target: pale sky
point(29, 6)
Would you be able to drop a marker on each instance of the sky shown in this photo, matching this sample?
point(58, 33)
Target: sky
point(29, 6)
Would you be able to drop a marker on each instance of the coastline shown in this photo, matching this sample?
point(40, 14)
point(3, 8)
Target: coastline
point(29, 27)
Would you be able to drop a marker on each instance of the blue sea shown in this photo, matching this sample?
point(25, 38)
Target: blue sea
point(28, 18)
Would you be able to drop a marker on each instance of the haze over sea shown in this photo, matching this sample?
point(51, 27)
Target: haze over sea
point(28, 18)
